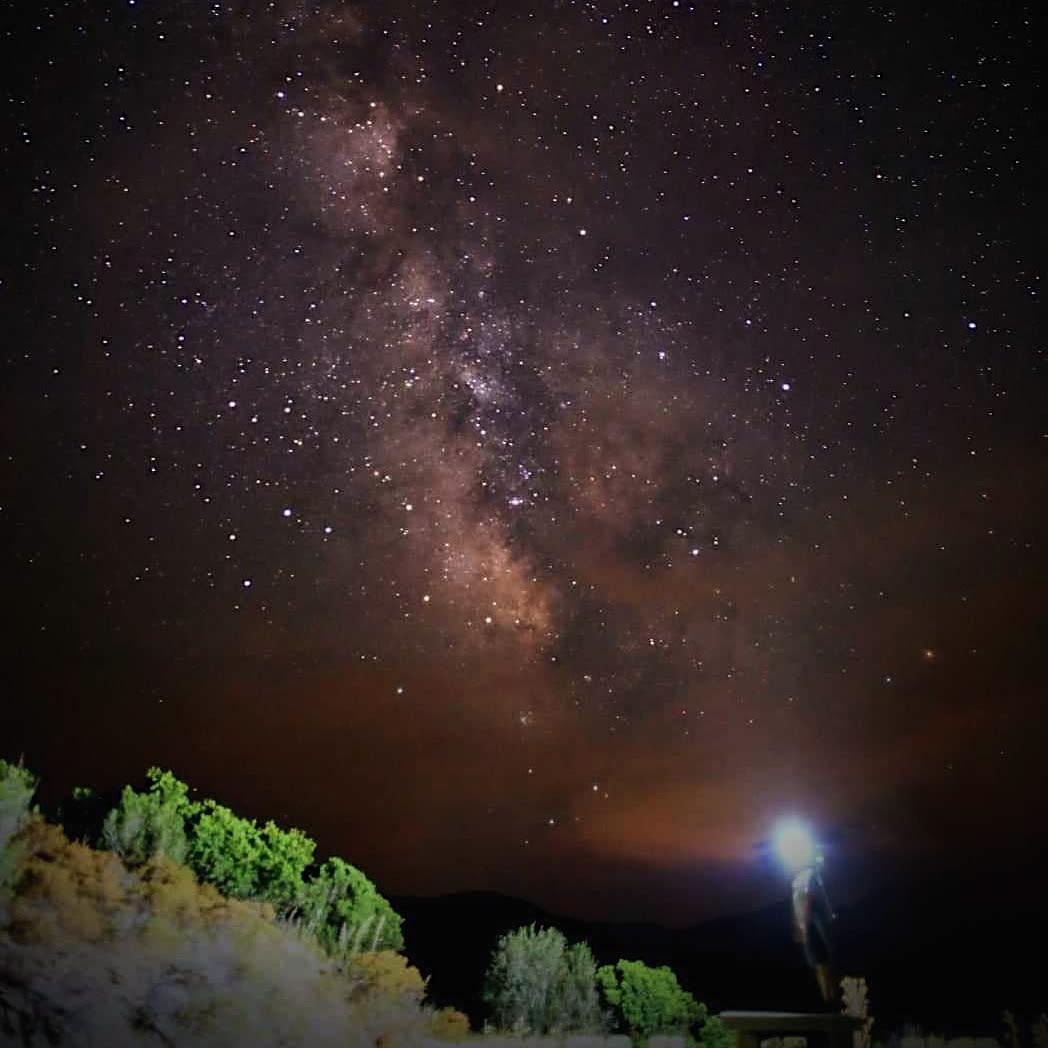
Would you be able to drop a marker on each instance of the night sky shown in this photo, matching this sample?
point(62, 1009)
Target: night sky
point(531, 446)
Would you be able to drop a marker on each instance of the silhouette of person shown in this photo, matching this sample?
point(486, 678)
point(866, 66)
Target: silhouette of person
point(812, 915)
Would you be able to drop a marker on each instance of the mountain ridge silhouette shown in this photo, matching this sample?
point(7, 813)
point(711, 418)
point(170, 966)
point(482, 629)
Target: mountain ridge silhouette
point(935, 954)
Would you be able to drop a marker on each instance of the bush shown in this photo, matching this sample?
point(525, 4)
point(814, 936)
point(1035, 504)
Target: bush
point(144, 826)
point(449, 1024)
point(283, 859)
point(649, 1001)
point(339, 907)
point(388, 974)
point(537, 984)
point(246, 862)
point(577, 998)
point(714, 1034)
point(17, 787)
point(346, 913)
point(226, 850)
point(128, 952)
point(521, 978)
point(95, 954)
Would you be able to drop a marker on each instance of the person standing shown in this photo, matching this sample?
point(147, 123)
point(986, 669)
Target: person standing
point(812, 916)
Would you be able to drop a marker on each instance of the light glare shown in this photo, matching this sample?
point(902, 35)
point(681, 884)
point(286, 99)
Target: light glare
point(795, 844)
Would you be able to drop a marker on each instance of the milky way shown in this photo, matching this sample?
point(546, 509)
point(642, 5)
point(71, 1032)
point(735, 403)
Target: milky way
point(580, 433)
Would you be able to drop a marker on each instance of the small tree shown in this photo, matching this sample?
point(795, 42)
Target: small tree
point(145, 825)
point(536, 983)
point(649, 1001)
point(524, 970)
point(577, 999)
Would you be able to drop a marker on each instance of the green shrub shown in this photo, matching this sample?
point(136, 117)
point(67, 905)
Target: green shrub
point(225, 850)
point(339, 907)
point(221, 847)
point(17, 786)
point(144, 826)
point(649, 1001)
point(284, 857)
point(714, 1034)
point(346, 913)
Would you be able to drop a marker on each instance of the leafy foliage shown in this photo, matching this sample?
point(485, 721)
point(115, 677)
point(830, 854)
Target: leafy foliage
point(226, 850)
point(538, 984)
point(246, 862)
point(283, 860)
point(521, 978)
point(577, 998)
point(340, 906)
point(145, 825)
point(230, 852)
point(714, 1034)
point(649, 1001)
point(17, 787)
point(346, 913)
